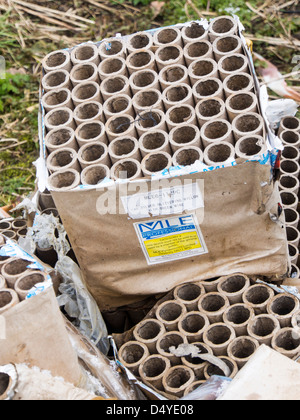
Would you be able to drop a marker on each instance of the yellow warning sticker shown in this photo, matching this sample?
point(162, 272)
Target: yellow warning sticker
point(171, 239)
point(173, 244)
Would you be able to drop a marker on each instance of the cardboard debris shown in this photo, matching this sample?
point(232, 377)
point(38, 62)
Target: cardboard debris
point(268, 376)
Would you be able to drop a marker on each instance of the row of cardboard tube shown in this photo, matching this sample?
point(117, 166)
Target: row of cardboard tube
point(16, 280)
point(289, 187)
point(228, 317)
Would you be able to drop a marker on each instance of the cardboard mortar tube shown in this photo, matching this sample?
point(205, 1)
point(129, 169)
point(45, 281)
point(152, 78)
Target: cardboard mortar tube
point(224, 46)
point(27, 281)
point(222, 26)
point(86, 92)
point(132, 354)
point(185, 135)
point(293, 253)
point(238, 82)
point(13, 269)
point(291, 217)
point(89, 132)
point(289, 167)
point(64, 180)
point(169, 313)
point(194, 32)
point(59, 118)
point(3, 260)
point(18, 224)
point(291, 153)
point(60, 98)
point(202, 68)
point(219, 153)
point(82, 73)
point(219, 130)
point(263, 328)
point(196, 363)
point(57, 60)
point(283, 307)
point(63, 158)
point(293, 236)
point(153, 369)
point(94, 174)
point(290, 138)
point(242, 349)
point(211, 370)
point(197, 49)
point(112, 47)
point(187, 156)
point(155, 163)
point(120, 126)
point(123, 148)
point(167, 36)
point(249, 146)
point(289, 123)
point(57, 79)
point(149, 332)
point(169, 55)
point(173, 75)
point(146, 100)
point(150, 120)
point(241, 103)
point(92, 154)
point(193, 325)
point(3, 284)
point(88, 112)
point(168, 340)
point(61, 137)
point(207, 88)
point(126, 169)
point(289, 199)
point(287, 342)
point(10, 234)
point(250, 124)
point(180, 114)
point(218, 337)
point(45, 200)
point(177, 380)
point(111, 67)
point(118, 104)
point(233, 287)
point(181, 93)
point(154, 141)
point(144, 79)
point(8, 299)
point(235, 64)
point(209, 109)
point(258, 297)
point(211, 285)
point(238, 317)
point(193, 387)
point(139, 41)
point(5, 225)
point(213, 305)
point(85, 53)
point(141, 60)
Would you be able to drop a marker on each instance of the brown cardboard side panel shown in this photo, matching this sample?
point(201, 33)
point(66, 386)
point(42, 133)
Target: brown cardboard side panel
point(36, 335)
point(237, 228)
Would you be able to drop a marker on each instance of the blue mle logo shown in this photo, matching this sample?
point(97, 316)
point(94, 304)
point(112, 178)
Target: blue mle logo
point(166, 226)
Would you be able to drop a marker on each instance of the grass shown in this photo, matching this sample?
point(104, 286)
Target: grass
point(26, 38)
